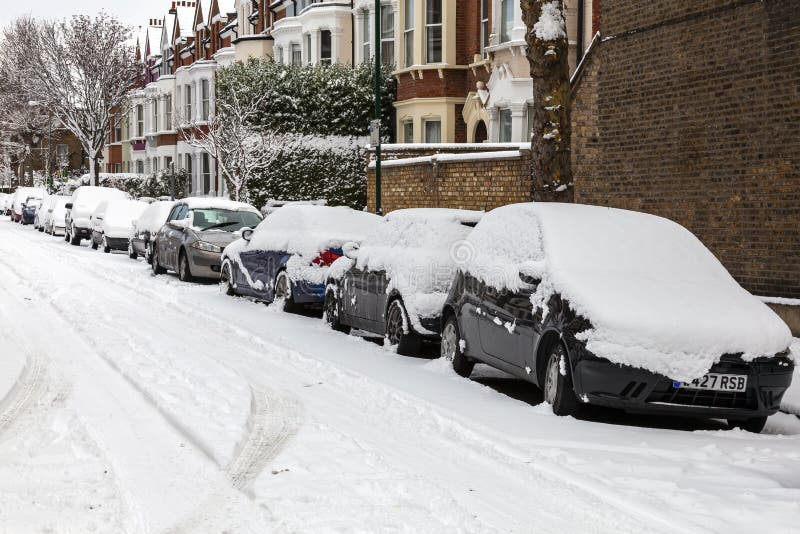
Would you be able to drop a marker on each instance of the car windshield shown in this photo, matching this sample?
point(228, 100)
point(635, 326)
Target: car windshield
point(227, 220)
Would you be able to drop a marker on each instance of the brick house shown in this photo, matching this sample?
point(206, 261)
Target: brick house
point(690, 110)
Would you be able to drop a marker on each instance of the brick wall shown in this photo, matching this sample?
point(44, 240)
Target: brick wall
point(452, 83)
point(475, 185)
point(695, 118)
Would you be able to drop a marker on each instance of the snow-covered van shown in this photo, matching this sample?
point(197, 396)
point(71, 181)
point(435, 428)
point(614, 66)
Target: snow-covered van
point(84, 201)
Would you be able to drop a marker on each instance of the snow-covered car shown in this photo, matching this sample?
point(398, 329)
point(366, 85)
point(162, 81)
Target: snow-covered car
point(147, 226)
point(53, 213)
point(30, 210)
point(82, 204)
point(395, 284)
point(113, 222)
point(196, 232)
point(614, 308)
point(21, 196)
point(288, 255)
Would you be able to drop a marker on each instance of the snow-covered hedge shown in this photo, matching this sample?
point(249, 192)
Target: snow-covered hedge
point(329, 108)
point(140, 185)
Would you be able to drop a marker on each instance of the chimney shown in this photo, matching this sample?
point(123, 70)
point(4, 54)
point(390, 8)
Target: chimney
point(173, 10)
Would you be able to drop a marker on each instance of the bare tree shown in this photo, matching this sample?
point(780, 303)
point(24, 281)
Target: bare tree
point(548, 55)
point(241, 149)
point(79, 70)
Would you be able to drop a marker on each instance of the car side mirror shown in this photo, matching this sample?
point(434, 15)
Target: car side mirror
point(351, 250)
point(181, 224)
point(247, 234)
point(68, 205)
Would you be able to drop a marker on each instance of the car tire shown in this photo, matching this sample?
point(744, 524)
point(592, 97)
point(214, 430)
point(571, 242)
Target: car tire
point(451, 348)
point(132, 254)
point(106, 248)
point(184, 271)
point(40, 228)
point(226, 280)
point(94, 244)
point(331, 312)
point(148, 254)
point(157, 269)
point(398, 333)
point(74, 240)
point(283, 292)
point(557, 385)
point(753, 424)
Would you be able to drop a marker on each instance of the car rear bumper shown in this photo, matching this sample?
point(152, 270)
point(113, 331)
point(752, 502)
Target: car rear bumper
point(640, 391)
point(307, 293)
point(117, 243)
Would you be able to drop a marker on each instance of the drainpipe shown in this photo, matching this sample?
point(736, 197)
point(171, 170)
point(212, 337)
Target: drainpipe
point(352, 36)
point(378, 111)
point(581, 15)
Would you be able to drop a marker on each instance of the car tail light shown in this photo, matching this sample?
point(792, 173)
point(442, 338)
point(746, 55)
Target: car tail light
point(327, 258)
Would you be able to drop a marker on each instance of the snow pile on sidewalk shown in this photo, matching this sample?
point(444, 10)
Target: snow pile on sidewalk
point(656, 297)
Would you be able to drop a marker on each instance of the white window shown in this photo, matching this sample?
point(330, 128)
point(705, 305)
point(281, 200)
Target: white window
point(387, 35)
point(307, 42)
point(433, 131)
point(140, 167)
point(168, 163)
point(140, 120)
point(297, 54)
point(187, 94)
point(408, 132)
point(505, 125)
point(433, 31)
point(278, 54)
point(408, 33)
point(117, 128)
point(206, 173)
point(484, 26)
point(206, 94)
point(168, 112)
point(365, 36)
point(326, 47)
point(154, 126)
point(530, 124)
point(506, 19)
point(155, 165)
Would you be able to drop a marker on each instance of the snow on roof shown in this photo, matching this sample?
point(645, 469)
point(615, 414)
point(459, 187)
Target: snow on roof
point(226, 6)
point(437, 215)
point(308, 229)
point(199, 203)
point(655, 295)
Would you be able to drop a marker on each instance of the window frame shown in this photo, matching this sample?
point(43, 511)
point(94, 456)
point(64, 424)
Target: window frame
point(408, 34)
point(433, 28)
point(322, 47)
point(387, 34)
point(425, 123)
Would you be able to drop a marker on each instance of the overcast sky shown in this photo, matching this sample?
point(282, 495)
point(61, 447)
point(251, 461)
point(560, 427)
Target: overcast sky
point(130, 12)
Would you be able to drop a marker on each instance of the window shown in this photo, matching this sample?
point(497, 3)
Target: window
point(326, 46)
point(530, 123)
point(188, 165)
point(206, 93)
point(387, 35)
point(506, 19)
point(505, 125)
point(307, 41)
point(206, 174)
point(408, 33)
point(154, 125)
point(433, 31)
point(408, 132)
point(297, 54)
point(484, 26)
point(365, 36)
point(117, 128)
point(187, 95)
point(140, 120)
point(140, 167)
point(278, 54)
point(168, 163)
point(433, 131)
point(168, 112)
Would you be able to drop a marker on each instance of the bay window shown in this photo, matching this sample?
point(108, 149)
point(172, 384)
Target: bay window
point(387, 35)
point(506, 19)
point(433, 31)
point(325, 47)
point(408, 33)
point(365, 36)
point(206, 95)
point(433, 131)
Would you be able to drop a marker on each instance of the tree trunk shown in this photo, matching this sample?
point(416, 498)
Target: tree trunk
point(548, 55)
point(93, 170)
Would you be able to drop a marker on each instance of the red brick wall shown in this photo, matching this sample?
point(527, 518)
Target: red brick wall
point(697, 120)
point(453, 83)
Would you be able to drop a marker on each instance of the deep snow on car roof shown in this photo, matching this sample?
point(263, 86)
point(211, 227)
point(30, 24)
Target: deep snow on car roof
point(199, 203)
point(437, 214)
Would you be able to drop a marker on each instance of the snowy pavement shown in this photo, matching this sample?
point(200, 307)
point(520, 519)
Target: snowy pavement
point(134, 403)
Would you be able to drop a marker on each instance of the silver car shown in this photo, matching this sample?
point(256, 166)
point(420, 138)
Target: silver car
point(196, 232)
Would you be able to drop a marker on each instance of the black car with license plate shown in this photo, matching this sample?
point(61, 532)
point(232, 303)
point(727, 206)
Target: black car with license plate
point(530, 327)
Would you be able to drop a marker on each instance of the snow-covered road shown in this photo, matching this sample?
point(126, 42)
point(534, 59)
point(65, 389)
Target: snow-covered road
point(140, 404)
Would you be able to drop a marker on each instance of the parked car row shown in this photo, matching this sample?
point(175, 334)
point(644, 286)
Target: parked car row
point(595, 306)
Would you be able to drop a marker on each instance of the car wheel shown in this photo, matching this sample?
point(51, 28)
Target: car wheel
point(157, 269)
point(226, 279)
point(558, 392)
point(184, 273)
point(332, 312)
point(398, 332)
point(283, 292)
point(148, 254)
point(106, 248)
point(94, 244)
point(132, 253)
point(451, 348)
point(74, 238)
point(40, 228)
point(754, 424)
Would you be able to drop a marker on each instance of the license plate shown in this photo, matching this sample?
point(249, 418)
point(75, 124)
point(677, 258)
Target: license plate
point(715, 382)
